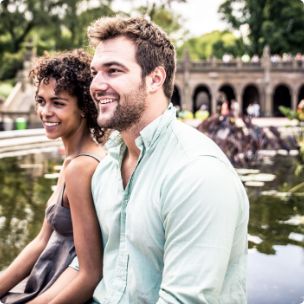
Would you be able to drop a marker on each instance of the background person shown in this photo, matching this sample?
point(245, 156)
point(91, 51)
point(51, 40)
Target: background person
point(173, 211)
point(70, 226)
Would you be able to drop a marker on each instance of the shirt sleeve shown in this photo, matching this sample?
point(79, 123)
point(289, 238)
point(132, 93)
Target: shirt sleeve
point(203, 204)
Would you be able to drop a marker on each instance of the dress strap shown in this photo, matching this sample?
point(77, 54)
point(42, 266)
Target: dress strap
point(90, 155)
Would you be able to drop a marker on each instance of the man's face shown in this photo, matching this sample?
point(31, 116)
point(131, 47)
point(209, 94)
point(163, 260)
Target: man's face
point(117, 87)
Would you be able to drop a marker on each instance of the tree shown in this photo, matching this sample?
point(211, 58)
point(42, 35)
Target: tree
point(277, 23)
point(161, 13)
point(76, 17)
point(49, 24)
point(19, 17)
point(216, 43)
point(60, 20)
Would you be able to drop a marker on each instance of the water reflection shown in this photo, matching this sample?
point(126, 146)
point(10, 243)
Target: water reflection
point(23, 192)
point(269, 221)
point(270, 215)
point(276, 236)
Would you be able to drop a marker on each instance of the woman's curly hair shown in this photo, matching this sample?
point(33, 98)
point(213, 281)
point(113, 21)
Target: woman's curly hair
point(71, 70)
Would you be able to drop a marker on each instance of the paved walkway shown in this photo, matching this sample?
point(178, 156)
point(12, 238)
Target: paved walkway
point(22, 142)
point(275, 122)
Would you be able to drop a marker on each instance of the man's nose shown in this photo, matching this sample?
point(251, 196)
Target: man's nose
point(99, 83)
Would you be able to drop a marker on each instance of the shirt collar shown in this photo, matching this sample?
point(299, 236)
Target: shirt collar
point(114, 144)
point(148, 135)
point(151, 132)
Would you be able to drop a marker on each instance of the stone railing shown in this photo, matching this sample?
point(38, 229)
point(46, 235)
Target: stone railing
point(216, 64)
point(24, 142)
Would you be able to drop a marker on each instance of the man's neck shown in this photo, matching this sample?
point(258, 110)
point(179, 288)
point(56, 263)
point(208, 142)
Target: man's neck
point(129, 137)
point(156, 109)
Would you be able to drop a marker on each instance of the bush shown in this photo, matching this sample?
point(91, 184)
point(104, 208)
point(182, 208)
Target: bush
point(5, 89)
point(10, 65)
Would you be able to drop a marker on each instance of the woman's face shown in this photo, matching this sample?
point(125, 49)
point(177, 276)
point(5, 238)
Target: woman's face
point(59, 113)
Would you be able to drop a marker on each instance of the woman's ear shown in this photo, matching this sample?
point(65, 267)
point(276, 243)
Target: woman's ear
point(156, 79)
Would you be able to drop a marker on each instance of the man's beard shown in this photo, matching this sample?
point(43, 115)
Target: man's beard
point(129, 112)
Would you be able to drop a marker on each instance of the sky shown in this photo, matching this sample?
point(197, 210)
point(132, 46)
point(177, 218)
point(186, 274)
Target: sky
point(201, 15)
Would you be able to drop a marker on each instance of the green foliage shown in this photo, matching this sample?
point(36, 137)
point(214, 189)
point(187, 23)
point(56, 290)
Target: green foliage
point(277, 23)
point(162, 14)
point(5, 89)
point(19, 17)
point(298, 115)
point(290, 114)
point(10, 64)
point(216, 43)
point(167, 20)
point(48, 24)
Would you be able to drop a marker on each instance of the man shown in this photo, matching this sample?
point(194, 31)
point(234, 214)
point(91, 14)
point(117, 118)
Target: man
point(172, 210)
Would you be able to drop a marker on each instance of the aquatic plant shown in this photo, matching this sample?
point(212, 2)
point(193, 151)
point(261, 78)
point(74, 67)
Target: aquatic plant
point(242, 140)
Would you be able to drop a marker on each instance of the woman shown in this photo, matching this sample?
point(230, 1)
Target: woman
point(70, 226)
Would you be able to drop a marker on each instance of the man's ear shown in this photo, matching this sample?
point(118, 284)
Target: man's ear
point(156, 79)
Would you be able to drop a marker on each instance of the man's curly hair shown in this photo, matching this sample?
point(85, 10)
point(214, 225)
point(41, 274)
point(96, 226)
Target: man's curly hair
point(71, 70)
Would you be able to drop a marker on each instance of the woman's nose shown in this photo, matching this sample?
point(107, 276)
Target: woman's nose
point(46, 110)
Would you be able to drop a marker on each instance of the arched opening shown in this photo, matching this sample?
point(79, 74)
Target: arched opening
point(281, 97)
point(250, 96)
point(301, 94)
point(201, 98)
point(176, 99)
point(226, 92)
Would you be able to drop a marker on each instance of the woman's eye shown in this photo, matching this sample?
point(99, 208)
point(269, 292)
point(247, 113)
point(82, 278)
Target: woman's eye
point(40, 101)
point(58, 103)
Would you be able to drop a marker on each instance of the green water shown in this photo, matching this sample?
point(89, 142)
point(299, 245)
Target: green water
point(276, 227)
point(23, 195)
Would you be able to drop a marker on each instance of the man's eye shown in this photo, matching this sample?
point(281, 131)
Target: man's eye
point(113, 71)
point(93, 73)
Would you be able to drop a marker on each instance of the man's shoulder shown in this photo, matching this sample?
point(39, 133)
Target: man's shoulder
point(105, 170)
point(193, 143)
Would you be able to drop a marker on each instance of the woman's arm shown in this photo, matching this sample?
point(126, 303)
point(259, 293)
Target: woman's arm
point(78, 287)
point(24, 262)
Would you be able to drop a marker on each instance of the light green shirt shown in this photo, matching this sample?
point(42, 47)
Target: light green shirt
point(178, 232)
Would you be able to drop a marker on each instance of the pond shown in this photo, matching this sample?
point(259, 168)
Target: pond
point(276, 227)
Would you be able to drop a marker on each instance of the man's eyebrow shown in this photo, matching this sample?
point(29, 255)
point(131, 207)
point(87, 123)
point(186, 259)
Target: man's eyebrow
point(108, 64)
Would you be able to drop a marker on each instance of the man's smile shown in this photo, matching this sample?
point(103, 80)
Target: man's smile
point(106, 100)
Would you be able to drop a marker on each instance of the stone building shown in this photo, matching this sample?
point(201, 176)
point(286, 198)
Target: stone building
point(270, 81)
